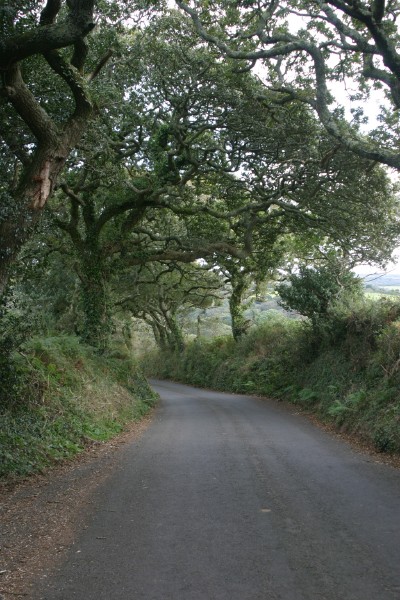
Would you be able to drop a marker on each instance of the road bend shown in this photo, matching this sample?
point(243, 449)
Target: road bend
point(229, 497)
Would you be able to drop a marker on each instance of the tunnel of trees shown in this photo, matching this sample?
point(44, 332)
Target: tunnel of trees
point(161, 158)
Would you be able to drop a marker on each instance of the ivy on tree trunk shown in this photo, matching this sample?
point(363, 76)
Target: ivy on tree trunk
point(95, 297)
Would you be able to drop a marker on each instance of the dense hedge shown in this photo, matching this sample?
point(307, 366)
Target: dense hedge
point(347, 371)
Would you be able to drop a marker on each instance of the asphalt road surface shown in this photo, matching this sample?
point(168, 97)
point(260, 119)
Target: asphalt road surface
point(229, 497)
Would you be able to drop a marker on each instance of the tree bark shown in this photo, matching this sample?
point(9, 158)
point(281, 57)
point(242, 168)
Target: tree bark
point(236, 308)
point(175, 336)
point(22, 207)
point(20, 217)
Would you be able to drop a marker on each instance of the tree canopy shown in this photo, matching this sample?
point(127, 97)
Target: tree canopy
point(151, 161)
point(305, 50)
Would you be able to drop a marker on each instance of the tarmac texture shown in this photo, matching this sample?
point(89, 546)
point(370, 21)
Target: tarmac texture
point(228, 497)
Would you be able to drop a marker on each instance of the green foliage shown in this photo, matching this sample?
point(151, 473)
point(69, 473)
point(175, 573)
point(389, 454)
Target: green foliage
point(244, 30)
point(306, 396)
point(15, 328)
point(67, 397)
point(352, 379)
point(339, 409)
point(314, 292)
point(162, 296)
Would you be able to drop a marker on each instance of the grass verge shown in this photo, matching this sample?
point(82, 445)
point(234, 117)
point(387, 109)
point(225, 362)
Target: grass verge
point(64, 397)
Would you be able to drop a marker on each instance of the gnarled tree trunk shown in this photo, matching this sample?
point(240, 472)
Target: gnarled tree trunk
point(51, 142)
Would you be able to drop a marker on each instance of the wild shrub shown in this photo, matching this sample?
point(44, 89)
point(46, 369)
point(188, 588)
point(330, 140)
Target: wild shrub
point(388, 350)
point(15, 328)
point(315, 291)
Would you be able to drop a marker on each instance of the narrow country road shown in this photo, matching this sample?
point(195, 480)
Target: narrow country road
point(228, 497)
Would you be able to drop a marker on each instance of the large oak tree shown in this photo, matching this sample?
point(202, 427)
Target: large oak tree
point(45, 106)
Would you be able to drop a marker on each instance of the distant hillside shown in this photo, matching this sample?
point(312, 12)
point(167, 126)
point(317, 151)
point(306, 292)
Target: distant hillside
point(382, 280)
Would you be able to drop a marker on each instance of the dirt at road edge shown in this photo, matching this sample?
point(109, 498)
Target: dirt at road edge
point(40, 516)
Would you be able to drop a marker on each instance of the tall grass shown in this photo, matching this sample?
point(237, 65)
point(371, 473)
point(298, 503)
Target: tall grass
point(66, 396)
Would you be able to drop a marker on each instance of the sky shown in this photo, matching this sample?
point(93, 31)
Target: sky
point(393, 268)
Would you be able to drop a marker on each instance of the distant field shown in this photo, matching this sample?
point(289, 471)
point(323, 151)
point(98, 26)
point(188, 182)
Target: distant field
point(377, 295)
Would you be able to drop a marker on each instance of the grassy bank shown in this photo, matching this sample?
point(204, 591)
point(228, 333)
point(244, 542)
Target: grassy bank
point(347, 372)
point(62, 397)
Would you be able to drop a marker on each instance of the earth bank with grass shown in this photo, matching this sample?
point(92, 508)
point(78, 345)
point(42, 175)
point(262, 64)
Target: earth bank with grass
point(65, 395)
